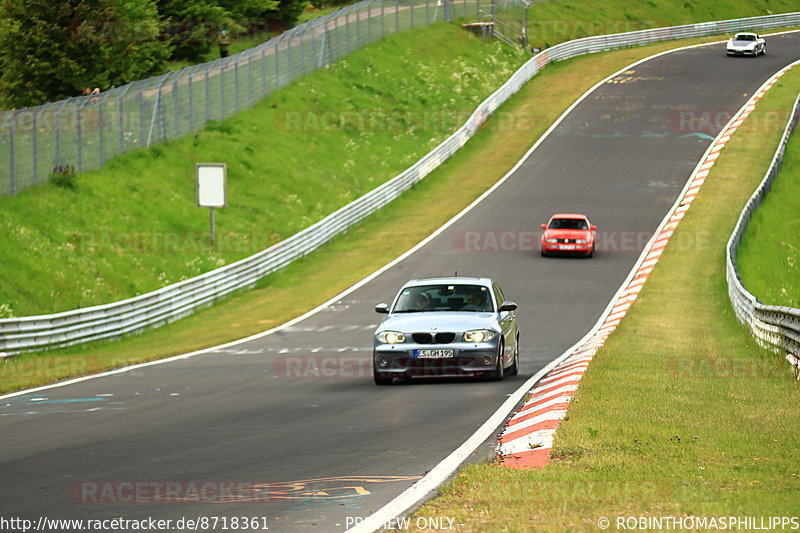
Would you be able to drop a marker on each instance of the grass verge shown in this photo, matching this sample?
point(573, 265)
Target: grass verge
point(680, 414)
point(769, 256)
point(505, 137)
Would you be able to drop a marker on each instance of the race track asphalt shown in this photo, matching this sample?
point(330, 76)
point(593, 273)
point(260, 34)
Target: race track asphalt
point(295, 418)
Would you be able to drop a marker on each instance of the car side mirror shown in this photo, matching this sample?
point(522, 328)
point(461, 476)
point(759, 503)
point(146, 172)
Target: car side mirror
point(508, 306)
point(544, 226)
point(382, 308)
point(594, 227)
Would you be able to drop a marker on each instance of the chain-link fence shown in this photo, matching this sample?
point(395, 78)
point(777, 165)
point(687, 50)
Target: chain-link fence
point(86, 131)
point(509, 19)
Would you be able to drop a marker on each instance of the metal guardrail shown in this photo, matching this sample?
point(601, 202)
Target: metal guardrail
point(86, 131)
point(774, 327)
point(176, 301)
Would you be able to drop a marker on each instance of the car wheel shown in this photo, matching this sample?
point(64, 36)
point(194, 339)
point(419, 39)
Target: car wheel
point(764, 50)
point(499, 371)
point(381, 378)
point(513, 370)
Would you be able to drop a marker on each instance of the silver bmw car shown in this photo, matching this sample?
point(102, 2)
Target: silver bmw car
point(445, 327)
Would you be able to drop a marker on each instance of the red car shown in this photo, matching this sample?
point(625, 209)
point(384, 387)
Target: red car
point(570, 234)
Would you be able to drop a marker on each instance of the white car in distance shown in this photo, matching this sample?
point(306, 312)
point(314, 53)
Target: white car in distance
point(746, 43)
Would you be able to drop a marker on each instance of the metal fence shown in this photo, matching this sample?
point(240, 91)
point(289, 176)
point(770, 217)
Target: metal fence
point(175, 301)
point(88, 130)
point(774, 327)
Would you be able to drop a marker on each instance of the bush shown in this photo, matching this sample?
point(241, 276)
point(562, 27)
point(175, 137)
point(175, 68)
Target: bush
point(65, 177)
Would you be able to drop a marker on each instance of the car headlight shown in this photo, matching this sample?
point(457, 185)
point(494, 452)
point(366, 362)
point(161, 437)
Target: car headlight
point(581, 241)
point(391, 337)
point(552, 241)
point(479, 335)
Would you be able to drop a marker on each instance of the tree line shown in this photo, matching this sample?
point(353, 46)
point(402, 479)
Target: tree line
point(54, 49)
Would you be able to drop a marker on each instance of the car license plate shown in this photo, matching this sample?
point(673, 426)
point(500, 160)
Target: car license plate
point(566, 246)
point(433, 354)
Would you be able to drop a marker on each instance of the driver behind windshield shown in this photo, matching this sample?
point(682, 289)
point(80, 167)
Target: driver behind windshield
point(422, 302)
point(474, 301)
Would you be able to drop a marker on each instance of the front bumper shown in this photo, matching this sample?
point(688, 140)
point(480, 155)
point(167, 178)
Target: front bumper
point(571, 249)
point(468, 359)
point(741, 52)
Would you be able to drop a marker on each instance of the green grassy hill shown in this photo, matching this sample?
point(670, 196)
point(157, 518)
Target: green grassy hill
point(133, 226)
point(769, 257)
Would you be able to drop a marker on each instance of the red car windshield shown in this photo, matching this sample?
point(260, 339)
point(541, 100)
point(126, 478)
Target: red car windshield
point(568, 223)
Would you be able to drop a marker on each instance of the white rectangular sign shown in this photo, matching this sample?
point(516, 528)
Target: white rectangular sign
point(211, 178)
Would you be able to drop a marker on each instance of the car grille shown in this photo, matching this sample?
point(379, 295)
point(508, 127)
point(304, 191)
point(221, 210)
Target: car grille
point(438, 338)
point(450, 362)
point(566, 241)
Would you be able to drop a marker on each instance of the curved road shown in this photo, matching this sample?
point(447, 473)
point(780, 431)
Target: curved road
point(294, 417)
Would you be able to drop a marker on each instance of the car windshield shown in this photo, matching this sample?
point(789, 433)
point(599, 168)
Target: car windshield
point(470, 298)
point(744, 37)
point(568, 223)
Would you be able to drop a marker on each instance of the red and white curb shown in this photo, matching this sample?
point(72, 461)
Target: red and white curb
point(527, 439)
